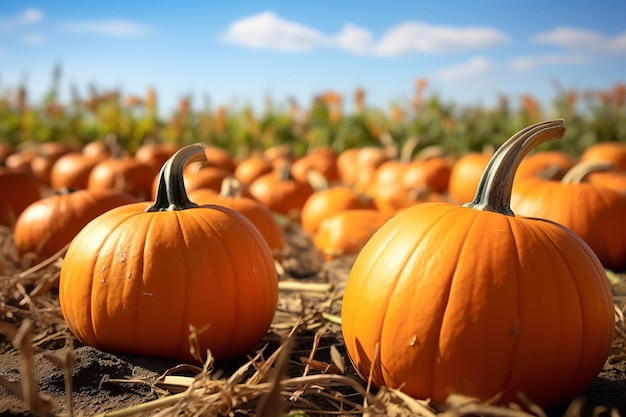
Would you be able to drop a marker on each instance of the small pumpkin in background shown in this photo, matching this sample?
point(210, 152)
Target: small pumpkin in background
point(49, 224)
point(596, 214)
point(545, 164)
point(465, 176)
point(124, 174)
point(347, 231)
point(279, 191)
point(18, 189)
point(251, 168)
point(141, 277)
point(615, 180)
point(474, 300)
point(322, 160)
point(327, 200)
point(72, 171)
point(155, 154)
point(611, 152)
point(231, 196)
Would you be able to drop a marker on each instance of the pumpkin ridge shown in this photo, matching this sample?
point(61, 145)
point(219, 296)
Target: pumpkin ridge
point(400, 274)
point(230, 279)
point(445, 312)
point(183, 346)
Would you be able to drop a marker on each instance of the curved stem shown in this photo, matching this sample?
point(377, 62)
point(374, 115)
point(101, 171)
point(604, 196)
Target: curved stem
point(171, 194)
point(578, 172)
point(494, 189)
point(231, 188)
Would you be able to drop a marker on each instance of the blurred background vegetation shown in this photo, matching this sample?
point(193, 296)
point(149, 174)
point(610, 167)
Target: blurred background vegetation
point(590, 116)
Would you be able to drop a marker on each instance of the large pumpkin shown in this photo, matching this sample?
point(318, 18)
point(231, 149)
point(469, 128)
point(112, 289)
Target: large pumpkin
point(477, 301)
point(136, 278)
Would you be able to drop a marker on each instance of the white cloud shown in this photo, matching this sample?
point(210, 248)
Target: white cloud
point(582, 40)
point(355, 39)
point(421, 37)
point(33, 38)
point(117, 28)
point(28, 17)
point(525, 63)
point(476, 67)
point(268, 31)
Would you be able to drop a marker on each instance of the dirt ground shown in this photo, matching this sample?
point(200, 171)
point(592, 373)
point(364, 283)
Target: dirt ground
point(106, 382)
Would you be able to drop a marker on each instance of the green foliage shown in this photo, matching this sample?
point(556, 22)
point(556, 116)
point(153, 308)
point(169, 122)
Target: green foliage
point(590, 117)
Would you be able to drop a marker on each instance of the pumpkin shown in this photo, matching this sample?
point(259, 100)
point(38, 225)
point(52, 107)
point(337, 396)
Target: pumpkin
point(545, 164)
point(231, 196)
point(465, 176)
point(72, 171)
point(594, 213)
point(279, 191)
point(251, 168)
point(347, 231)
point(49, 224)
point(612, 152)
point(123, 174)
point(322, 160)
point(139, 277)
point(477, 301)
point(18, 189)
point(327, 200)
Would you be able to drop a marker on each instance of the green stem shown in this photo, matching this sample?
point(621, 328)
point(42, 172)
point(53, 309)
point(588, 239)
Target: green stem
point(171, 194)
point(494, 189)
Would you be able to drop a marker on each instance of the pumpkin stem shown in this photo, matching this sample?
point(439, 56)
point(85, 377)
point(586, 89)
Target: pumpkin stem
point(171, 194)
point(494, 189)
point(231, 188)
point(578, 172)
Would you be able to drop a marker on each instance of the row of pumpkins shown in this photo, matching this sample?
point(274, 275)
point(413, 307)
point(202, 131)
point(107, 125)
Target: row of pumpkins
point(485, 302)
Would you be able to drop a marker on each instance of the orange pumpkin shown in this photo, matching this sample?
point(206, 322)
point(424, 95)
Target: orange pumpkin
point(281, 192)
point(612, 152)
point(72, 171)
point(251, 168)
point(594, 213)
point(49, 224)
point(327, 200)
point(231, 196)
point(18, 189)
point(125, 174)
point(347, 231)
point(476, 301)
point(465, 176)
point(139, 277)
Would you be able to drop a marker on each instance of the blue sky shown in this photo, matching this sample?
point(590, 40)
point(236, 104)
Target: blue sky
point(240, 52)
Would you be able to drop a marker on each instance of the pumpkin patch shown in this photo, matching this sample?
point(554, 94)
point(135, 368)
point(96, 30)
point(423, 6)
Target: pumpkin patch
point(416, 264)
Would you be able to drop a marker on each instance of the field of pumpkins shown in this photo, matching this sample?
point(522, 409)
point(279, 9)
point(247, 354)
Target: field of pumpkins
point(425, 260)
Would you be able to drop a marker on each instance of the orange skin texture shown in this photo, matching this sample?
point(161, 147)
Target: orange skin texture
point(479, 303)
point(49, 224)
point(346, 232)
point(134, 281)
point(18, 189)
point(256, 212)
point(596, 214)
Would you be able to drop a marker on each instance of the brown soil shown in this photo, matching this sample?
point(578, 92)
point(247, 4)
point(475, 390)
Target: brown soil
point(106, 381)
